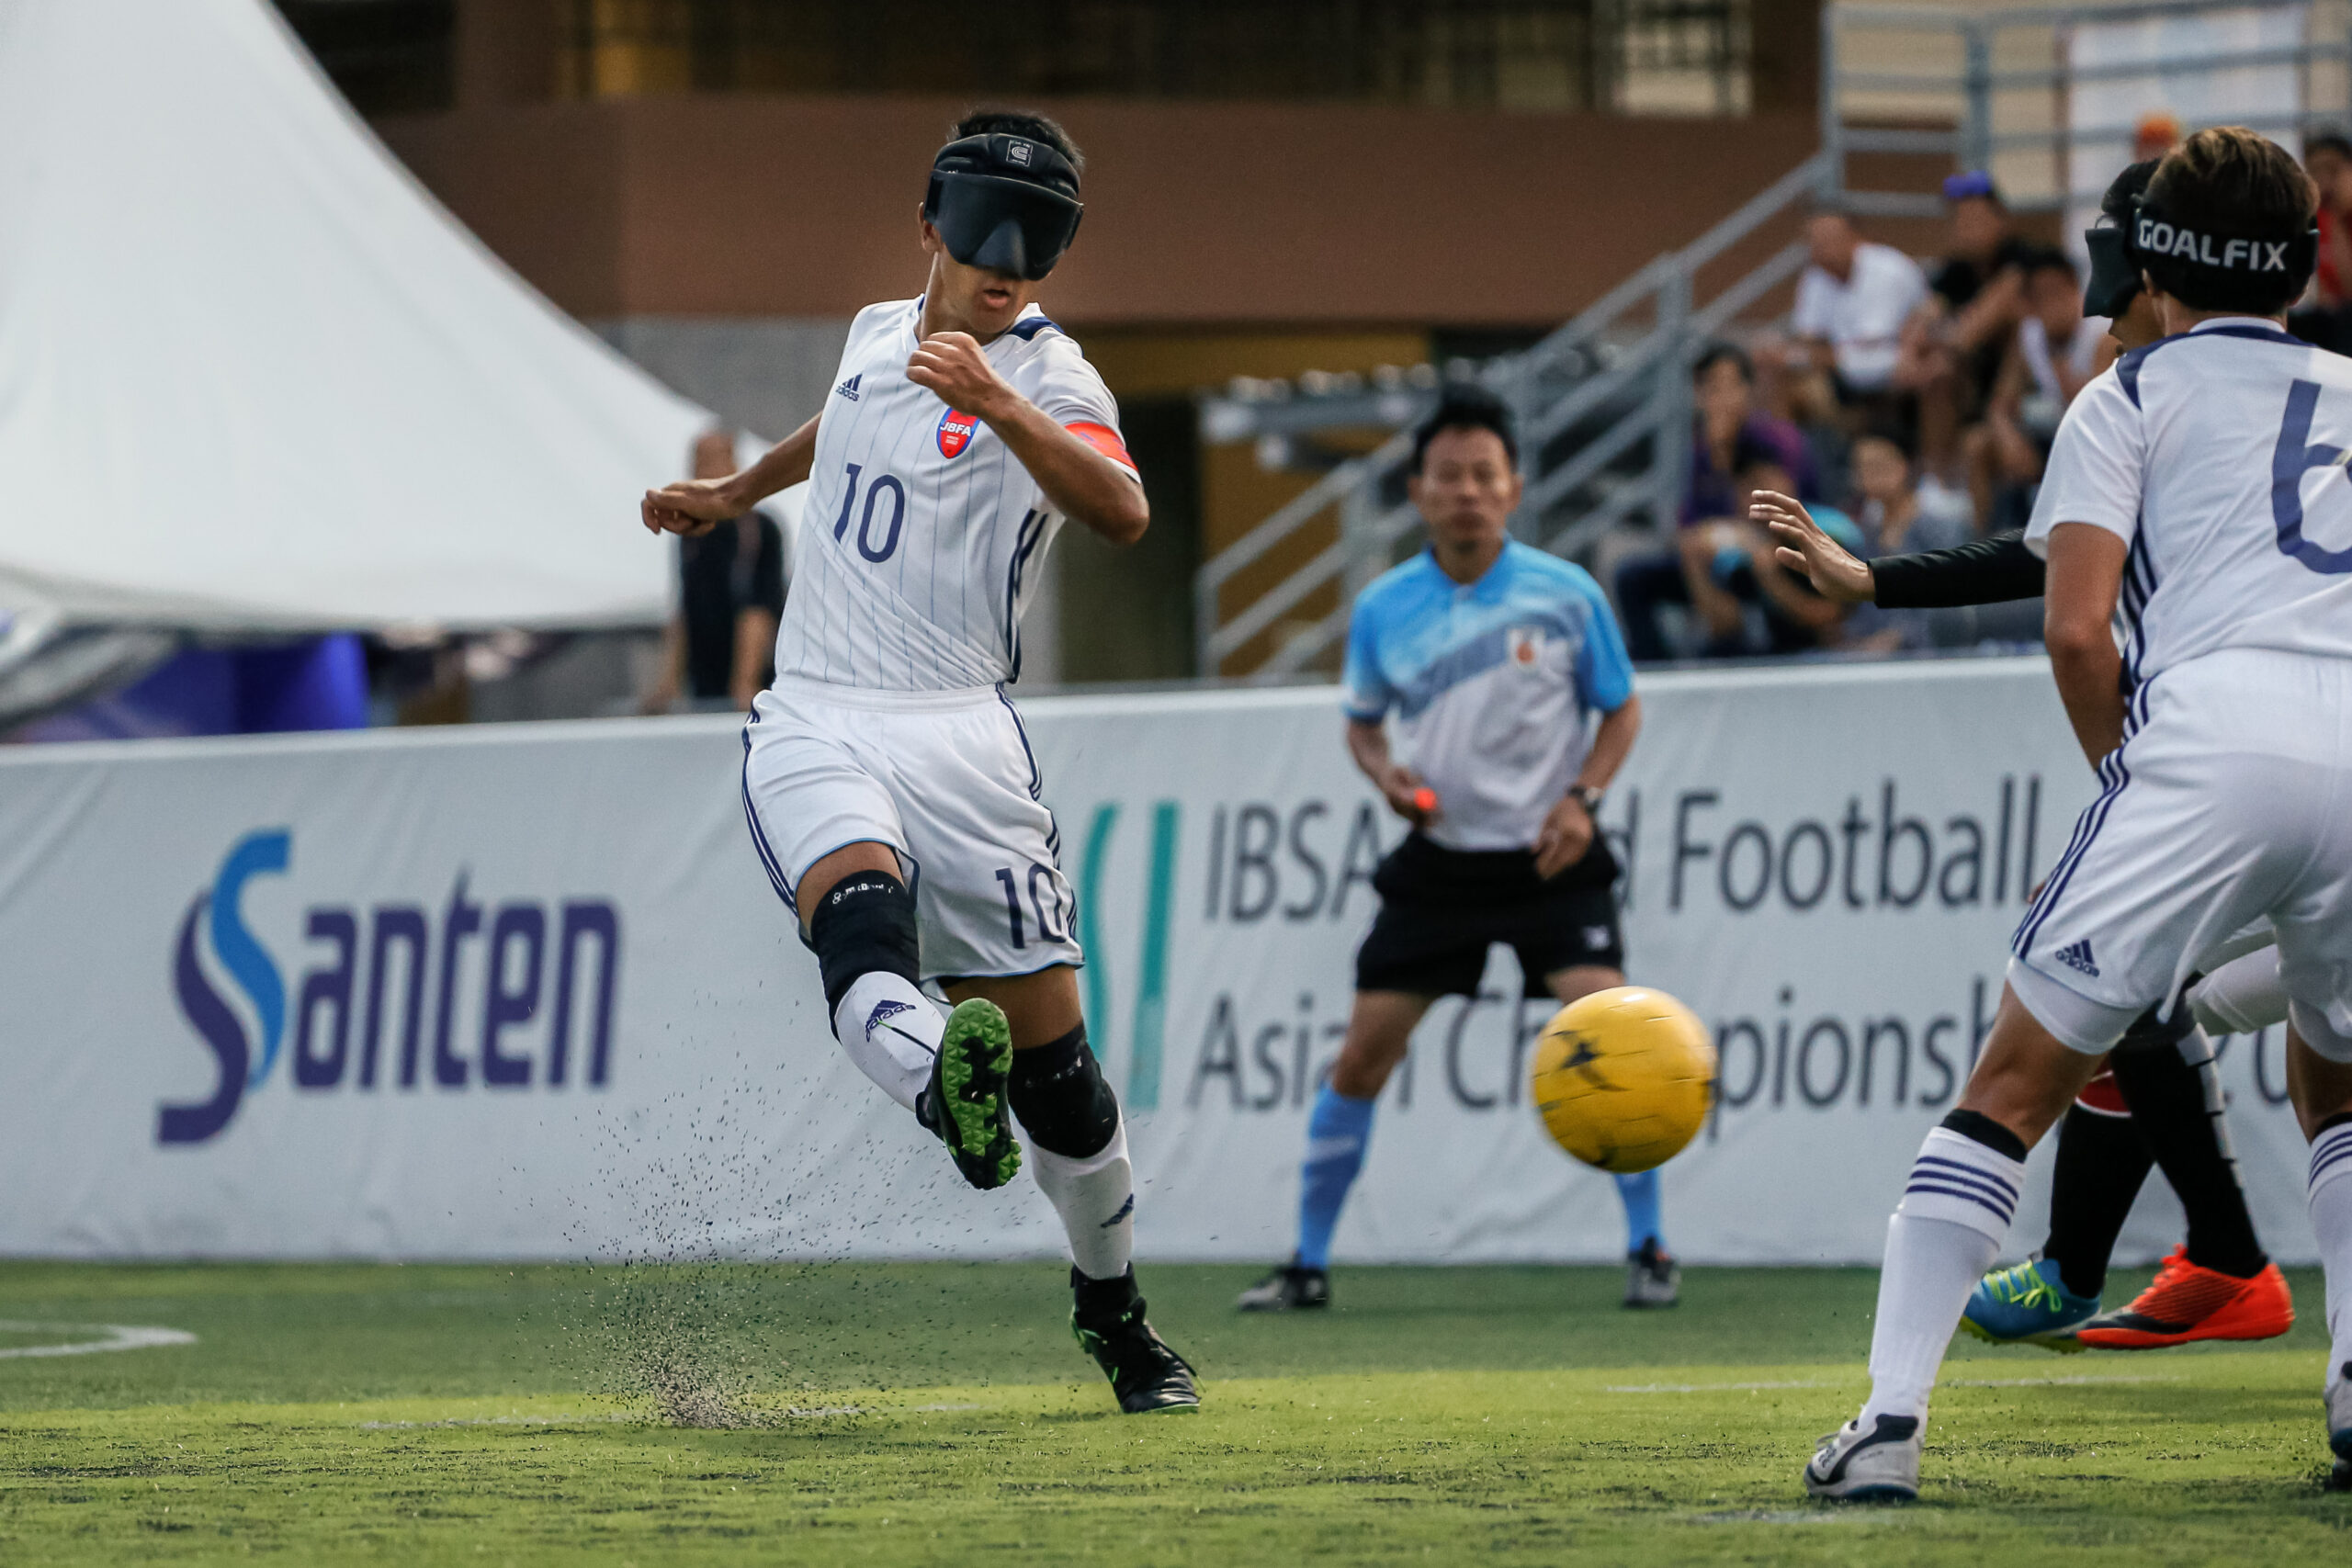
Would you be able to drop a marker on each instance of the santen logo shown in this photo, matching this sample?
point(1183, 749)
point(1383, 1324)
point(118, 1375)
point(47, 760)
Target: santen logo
point(396, 992)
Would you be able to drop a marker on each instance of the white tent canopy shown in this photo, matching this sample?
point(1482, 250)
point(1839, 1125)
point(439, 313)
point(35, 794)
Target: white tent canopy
point(252, 377)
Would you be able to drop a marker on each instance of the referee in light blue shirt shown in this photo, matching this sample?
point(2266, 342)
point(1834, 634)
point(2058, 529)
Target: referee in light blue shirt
point(1513, 703)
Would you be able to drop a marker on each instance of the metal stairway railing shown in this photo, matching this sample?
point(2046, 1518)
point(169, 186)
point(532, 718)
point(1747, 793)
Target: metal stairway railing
point(1601, 392)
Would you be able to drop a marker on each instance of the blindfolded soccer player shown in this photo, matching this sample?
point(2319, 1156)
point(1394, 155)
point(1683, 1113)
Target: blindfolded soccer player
point(891, 793)
point(2159, 1101)
point(2196, 504)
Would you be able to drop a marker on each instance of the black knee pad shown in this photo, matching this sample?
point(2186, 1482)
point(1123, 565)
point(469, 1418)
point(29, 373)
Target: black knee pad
point(1058, 1092)
point(1979, 1128)
point(864, 923)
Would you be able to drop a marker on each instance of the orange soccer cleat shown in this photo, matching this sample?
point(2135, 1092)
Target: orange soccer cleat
point(2187, 1303)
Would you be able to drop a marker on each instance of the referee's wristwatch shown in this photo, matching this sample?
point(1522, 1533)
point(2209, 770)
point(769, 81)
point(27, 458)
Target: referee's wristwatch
point(1587, 797)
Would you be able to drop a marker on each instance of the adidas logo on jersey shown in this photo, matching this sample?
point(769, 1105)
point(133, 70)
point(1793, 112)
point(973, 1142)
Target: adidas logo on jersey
point(2078, 958)
point(848, 389)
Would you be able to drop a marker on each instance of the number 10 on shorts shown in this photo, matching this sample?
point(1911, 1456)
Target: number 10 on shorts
point(1049, 926)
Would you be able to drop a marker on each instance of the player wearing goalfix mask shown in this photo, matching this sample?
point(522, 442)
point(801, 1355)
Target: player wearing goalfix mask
point(2160, 1102)
point(891, 791)
point(2196, 501)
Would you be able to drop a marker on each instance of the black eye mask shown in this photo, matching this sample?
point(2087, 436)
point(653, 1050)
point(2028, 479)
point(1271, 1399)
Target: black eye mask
point(1006, 203)
point(2114, 281)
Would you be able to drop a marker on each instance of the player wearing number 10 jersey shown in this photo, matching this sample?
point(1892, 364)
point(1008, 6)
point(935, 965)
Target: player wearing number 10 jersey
point(891, 791)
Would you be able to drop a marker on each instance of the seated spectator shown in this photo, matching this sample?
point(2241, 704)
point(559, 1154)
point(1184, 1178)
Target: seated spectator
point(720, 647)
point(1723, 392)
point(1954, 343)
point(1728, 571)
point(2054, 351)
point(1725, 421)
point(2325, 319)
point(1852, 301)
point(1896, 517)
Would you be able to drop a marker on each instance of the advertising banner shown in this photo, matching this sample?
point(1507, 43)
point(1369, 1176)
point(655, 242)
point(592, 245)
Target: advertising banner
point(524, 991)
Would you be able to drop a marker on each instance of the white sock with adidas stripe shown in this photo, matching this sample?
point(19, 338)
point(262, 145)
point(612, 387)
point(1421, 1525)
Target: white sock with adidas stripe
point(2329, 1194)
point(891, 1031)
point(1956, 1209)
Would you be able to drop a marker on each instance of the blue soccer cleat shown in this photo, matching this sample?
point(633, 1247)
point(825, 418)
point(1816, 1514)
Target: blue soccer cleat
point(2029, 1304)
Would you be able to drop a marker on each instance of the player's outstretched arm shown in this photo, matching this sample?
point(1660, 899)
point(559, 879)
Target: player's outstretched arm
point(1804, 549)
point(2086, 574)
point(1983, 572)
point(1082, 484)
point(695, 506)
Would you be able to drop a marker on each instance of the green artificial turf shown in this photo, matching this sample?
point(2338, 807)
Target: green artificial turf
point(917, 1414)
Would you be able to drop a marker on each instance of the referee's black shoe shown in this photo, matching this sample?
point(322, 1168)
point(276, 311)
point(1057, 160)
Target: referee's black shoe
point(1146, 1377)
point(1292, 1287)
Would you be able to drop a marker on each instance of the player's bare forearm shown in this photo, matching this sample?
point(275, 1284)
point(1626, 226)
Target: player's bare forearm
point(1084, 485)
point(2085, 575)
point(692, 506)
point(781, 465)
point(1612, 742)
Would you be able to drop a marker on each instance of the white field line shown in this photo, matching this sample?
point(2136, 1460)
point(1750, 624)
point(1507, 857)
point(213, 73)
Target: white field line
point(119, 1337)
point(1712, 1387)
point(2076, 1381)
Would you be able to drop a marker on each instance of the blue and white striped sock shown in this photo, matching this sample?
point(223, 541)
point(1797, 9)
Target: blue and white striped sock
point(1337, 1130)
point(2329, 1194)
point(1956, 1209)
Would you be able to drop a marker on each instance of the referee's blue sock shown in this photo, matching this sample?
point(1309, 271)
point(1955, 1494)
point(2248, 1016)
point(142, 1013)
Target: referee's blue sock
point(1337, 1130)
point(1643, 1222)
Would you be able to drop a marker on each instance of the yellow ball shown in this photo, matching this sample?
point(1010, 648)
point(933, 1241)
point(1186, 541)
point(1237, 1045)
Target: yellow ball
point(1625, 1077)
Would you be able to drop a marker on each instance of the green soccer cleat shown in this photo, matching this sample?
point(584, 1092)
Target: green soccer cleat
point(967, 1104)
point(2029, 1304)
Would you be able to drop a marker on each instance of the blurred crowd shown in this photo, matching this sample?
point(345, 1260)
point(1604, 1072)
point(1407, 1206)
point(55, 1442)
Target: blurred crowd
point(1911, 406)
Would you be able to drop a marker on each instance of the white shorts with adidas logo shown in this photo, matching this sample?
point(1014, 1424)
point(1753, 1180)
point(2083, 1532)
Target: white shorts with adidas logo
point(2228, 803)
point(944, 778)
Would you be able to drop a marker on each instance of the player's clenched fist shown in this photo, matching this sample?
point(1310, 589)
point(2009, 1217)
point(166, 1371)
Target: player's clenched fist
point(691, 507)
point(952, 365)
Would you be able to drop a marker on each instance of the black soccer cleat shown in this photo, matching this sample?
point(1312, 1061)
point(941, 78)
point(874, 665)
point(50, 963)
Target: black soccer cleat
point(967, 1103)
point(1146, 1377)
point(1653, 1279)
point(1292, 1287)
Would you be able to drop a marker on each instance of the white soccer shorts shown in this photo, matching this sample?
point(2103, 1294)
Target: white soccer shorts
point(2229, 801)
point(944, 778)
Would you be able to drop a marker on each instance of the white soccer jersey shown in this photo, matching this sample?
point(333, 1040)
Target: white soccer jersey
point(2218, 456)
point(919, 545)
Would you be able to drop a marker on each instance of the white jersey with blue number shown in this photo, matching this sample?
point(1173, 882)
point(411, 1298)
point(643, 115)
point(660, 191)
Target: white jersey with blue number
point(2218, 456)
point(1490, 684)
point(922, 536)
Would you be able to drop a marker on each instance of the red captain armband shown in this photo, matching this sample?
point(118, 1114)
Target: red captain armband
point(1103, 439)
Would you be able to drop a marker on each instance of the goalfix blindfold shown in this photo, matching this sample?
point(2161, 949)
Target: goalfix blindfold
point(1006, 203)
point(2217, 272)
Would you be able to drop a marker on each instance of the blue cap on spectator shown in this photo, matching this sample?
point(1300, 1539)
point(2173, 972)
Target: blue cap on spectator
point(1970, 184)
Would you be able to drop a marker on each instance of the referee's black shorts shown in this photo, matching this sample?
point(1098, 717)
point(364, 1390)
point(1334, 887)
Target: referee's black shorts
point(1441, 909)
